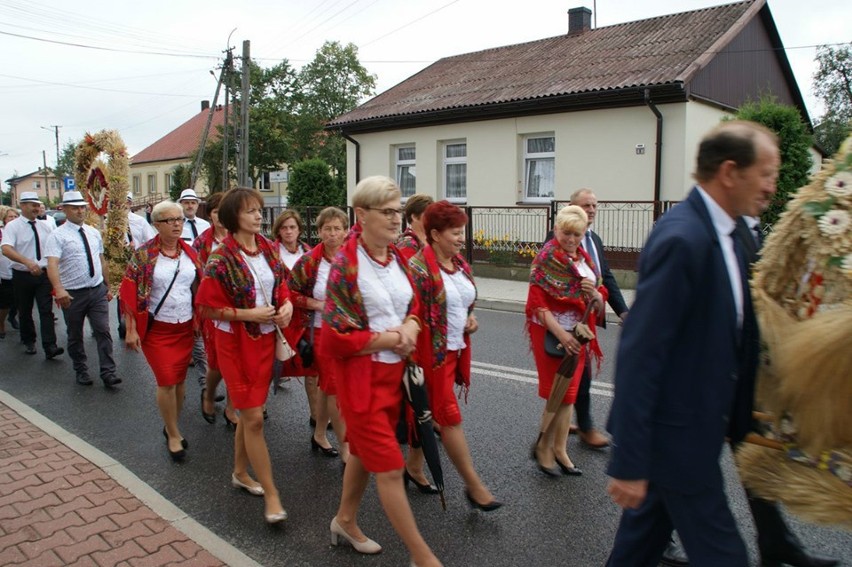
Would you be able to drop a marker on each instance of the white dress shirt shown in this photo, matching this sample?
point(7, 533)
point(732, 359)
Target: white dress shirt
point(460, 296)
point(320, 287)
point(177, 308)
point(200, 225)
point(290, 258)
point(5, 267)
point(258, 268)
point(66, 243)
point(386, 293)
point(139, 229)
point(725, 226)
point(19, 235)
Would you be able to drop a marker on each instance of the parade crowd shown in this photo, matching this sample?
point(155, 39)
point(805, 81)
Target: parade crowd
point(368, 306)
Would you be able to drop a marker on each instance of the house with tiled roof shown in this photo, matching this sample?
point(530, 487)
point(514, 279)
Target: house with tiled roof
point(42, 181)
point(619, 109)
point(151, 169)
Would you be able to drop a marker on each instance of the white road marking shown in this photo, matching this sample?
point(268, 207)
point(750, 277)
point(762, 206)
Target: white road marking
point(530, 376)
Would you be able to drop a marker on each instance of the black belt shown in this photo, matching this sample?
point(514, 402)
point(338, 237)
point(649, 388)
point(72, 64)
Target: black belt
point(84, 288)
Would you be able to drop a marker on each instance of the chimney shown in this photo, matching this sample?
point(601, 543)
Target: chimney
point(205, 104)
point(579, 20)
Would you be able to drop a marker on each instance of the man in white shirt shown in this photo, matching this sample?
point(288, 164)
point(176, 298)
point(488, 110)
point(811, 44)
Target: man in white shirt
point(192, 225)
point(138, 230)
point(23, 242)
point(78, 270)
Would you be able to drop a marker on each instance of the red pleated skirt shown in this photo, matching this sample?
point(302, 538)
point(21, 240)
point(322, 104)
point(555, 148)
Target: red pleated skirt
point(327, 372)
point(442, 397)
point(372, 434)
point(168, 349)
point(210, 344)
point(247, 373)
point(548, 365)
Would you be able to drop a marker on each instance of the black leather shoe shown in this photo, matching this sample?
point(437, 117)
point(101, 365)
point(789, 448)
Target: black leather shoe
point(14, 322)
point(798, 558)
point(490, 507)
point(30, 349)
point(84, 380)
point(674, 556)
point(52, 352)
point(570, 471)
point(208, 417)
point(326, 451)
point(421, 488)
point(111, 381)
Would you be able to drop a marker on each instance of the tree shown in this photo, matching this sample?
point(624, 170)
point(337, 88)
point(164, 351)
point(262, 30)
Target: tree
point(65, 167)
point(833, 85)
point(794, 143)
point(311, 185)
point(181, 177)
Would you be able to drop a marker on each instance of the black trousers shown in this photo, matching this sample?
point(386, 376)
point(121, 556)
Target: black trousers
point(31, 289)
point(582, 406)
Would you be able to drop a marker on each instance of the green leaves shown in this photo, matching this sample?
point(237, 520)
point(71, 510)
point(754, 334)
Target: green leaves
point(818, 208)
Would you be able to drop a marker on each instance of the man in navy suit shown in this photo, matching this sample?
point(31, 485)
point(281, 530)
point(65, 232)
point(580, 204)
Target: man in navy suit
point(592, 244)
point(687, 358)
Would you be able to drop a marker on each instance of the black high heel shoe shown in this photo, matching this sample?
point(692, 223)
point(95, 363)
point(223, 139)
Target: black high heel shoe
point(208, 417)
point(228, 423)
point(180, 454)
point(551, 472)
point(183, 442)
point(490, 507)
point(421, 488)
point(326, 451)
point(570, 471)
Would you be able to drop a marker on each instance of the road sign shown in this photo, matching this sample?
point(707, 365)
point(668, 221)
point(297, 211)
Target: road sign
point(282, 176)
point(69, 183)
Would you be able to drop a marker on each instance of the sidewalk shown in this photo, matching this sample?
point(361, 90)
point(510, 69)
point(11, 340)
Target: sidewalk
point(64, 502)
point(509, 295)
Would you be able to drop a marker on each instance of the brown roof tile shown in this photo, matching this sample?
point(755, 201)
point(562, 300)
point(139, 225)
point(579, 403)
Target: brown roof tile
point(657, 51)
point(181, 142)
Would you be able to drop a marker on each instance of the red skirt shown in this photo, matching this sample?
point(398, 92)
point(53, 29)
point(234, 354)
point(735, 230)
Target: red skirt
point(442, 398)
point(247, 374)
point(372, 434)
point(548, 365)
point(210, 344)
point(294, 367)
point(168, 349)
point(327, 372)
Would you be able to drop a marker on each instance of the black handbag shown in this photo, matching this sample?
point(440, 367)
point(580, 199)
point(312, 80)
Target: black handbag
point(306, 349)
point(552, 346)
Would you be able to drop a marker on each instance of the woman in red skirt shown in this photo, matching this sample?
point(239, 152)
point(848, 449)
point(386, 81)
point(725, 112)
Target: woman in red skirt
point(244, 290)
point(562, 281)
point(445, 286)
point(156, 297)
point(369, 327)
point(307, 281)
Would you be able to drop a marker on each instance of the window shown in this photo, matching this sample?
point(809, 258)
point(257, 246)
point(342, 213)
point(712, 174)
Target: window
point(152, 184)
point(455, 171)
point(54, 184)
point(539, 167)
point(167, 182)
point(406, 173)
point(36, 185)
point(137, 184)
point(265, 183)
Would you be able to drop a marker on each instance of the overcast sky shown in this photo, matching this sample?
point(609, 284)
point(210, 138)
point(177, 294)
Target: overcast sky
point(153, 62)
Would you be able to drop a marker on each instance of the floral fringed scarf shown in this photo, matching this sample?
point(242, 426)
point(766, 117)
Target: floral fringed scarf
point(236, 286)
point(301, 281)
point(555, 286)
point(432, 341)
point(135, 290)
point(408, 244)
point(204, 245)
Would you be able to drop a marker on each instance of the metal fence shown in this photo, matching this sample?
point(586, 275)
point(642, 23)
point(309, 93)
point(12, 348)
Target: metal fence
point(512, 236)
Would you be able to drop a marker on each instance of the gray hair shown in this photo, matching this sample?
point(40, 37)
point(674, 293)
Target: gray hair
point(159, 210)
point(375, 190)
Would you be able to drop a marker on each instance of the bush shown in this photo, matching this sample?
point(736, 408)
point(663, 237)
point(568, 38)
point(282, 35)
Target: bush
point(311, 185)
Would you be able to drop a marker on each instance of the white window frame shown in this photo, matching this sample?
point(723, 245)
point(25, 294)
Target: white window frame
point(408, 166)
point(137, 184)
point(152, 183)
point(448, 161)
point(37, 185)
point(537, 157)
point(167, 183)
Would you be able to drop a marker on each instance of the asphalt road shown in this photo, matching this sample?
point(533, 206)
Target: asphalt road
point(566, 521)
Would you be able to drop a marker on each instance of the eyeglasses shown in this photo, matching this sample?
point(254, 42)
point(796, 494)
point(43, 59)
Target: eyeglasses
point(172, 221)
point(389, 214)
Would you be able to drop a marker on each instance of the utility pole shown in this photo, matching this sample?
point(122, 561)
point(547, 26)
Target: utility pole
point(243, 170)
point(229, 67)
point(55, 129)
point(202, 144)
point(44, 171)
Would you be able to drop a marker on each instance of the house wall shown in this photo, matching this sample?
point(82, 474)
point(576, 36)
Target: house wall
point(29, 183)
point(596, 149)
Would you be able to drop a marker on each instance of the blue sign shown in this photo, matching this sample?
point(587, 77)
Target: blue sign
point(69, 183)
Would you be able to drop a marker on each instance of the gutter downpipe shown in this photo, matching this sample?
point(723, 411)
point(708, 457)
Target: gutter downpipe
point(658, 157)
point(349, 138)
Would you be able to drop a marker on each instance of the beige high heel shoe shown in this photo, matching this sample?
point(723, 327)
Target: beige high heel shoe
point(368, 547)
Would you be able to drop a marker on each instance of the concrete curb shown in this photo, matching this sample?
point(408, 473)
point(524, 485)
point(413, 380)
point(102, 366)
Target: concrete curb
point(179, 519)
point(519, 307)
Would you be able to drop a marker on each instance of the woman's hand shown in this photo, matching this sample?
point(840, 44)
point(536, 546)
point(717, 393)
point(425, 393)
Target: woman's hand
point(407, 337)
point(472, 325)
point(591, 292)
point(259, 315)
point(569, 343)
point(284, 314)
point(131, 340)
point(314, 304)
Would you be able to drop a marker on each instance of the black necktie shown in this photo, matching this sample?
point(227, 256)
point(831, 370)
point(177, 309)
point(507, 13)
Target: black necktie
point(192, 226)
point(758, 236)
point(37, 242)
point(88, 254)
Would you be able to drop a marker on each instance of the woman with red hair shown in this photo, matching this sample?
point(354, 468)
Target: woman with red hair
point(245, 292)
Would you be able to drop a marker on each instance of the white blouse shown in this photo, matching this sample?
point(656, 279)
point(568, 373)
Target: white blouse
point(319, 288)
point(569, 319)
point(177, 308)
point(290, 258)
point(258, 268)
point(460, 296)
point(386, 293)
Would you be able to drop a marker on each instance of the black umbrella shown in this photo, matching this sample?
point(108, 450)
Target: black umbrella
point(415, 390)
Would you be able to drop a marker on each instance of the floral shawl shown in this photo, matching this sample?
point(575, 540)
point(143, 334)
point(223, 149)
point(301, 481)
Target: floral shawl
point(228, 282)
point(301, 281)
point(555, 285)
point(135, 290)
point(346, 329)
point(432, 341)
point(408, 244)
point(204, 245)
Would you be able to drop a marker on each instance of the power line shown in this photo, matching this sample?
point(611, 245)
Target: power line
point(97, 88)
point(414, 21)
point(112, 49)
